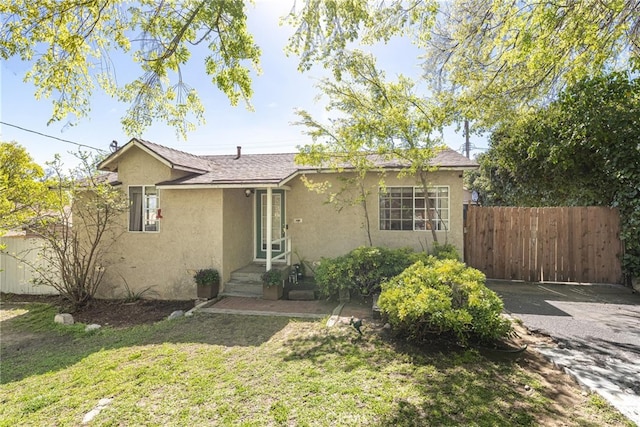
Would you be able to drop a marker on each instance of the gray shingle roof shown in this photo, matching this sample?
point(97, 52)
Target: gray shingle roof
point(262, 168)
point(177, 157)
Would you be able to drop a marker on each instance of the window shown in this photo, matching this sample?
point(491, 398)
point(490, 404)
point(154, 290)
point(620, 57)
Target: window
point(405, 208)
point(143, 208)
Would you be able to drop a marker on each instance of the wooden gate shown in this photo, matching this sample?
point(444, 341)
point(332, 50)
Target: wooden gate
point(563, 244)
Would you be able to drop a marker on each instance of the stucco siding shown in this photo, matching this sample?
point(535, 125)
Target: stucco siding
point(237, 231)
point(189, 237)
point(320, 230)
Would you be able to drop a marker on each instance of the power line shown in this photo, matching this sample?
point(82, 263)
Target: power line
point(52, 137)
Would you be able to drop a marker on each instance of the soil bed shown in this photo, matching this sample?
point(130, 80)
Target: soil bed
point(115, 313)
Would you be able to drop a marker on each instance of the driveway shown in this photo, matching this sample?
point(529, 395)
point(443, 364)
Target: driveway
point(597, 329)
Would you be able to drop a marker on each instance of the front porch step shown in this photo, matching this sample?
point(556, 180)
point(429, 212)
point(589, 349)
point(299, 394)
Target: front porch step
point(244, 288)
point(246, 281)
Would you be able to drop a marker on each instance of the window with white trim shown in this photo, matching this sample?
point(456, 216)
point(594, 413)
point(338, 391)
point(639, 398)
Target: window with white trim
point(144, 204)
point(405, 208)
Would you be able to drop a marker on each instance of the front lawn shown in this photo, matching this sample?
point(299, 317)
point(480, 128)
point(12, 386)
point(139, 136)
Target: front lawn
point(267, 371)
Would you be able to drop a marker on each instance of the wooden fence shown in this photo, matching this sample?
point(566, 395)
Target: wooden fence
point(565, 244)
point(15, 275)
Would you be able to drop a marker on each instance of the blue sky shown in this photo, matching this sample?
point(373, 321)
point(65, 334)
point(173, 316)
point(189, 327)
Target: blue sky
point(278, 91)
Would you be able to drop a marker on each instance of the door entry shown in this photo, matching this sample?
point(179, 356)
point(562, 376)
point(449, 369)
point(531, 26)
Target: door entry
point(277, 223)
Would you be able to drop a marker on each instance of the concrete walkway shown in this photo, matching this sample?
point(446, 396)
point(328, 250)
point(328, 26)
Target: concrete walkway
point(597, 331)
point(286, 308)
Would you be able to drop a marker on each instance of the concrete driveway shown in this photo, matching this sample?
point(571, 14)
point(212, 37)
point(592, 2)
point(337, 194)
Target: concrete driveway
point(597, 328)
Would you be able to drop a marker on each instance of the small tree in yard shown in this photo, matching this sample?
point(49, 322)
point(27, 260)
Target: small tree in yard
point(78, 231)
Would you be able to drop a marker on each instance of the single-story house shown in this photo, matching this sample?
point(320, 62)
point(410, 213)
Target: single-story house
point(189, 212)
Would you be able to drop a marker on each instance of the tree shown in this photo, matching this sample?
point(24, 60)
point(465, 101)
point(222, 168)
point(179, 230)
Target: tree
point(70, 44)
point(493, 59)
point(580, 150)
point(22, 191)
point(78, 230)
point(372, 118)
point(486, 60)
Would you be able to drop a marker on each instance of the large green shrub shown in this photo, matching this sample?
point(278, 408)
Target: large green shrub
point(443, 297)
point(361, 270)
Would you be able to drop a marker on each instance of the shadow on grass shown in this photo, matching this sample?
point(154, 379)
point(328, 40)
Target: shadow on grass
point(456, 386)
point(32, 345)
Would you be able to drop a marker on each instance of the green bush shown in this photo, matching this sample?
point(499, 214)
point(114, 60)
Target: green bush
point(445, 251)
point(362, 270)
point(443, 297)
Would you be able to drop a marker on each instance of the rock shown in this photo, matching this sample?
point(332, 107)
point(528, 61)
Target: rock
point(387, 326)
point(175, 315)
point(527, 387)
point(89, 416)
point(64, 319)
point(92, 327)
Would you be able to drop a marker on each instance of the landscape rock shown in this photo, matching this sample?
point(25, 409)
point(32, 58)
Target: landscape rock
point(92, 327)
point(64, 319)
point(175, 315)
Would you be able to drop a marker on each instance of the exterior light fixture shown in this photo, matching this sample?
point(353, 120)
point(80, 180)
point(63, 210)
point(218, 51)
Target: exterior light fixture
point(248, 192)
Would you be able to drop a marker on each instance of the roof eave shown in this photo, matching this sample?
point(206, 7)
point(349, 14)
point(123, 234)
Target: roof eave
point(104, 165)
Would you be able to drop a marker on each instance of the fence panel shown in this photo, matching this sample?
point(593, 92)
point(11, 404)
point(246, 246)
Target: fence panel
point(564, 244)
point(16, 275)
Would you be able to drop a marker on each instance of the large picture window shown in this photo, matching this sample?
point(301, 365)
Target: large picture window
point(143, 208)
point(405, 208)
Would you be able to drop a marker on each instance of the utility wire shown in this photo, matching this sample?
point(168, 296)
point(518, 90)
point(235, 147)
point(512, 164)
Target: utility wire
point(52, 137)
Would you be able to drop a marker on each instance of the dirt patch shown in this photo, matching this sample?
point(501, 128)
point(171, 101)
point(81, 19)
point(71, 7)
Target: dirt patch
point(115, 313)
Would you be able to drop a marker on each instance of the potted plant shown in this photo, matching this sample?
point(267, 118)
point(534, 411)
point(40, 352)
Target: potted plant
point(272, 288)
point(208, 281)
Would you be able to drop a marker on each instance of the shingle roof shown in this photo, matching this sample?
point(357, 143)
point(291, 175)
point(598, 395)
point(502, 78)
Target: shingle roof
point(263, 168)
point(248, 168)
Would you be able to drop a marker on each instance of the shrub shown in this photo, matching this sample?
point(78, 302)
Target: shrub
point(445, 251)
point(443, 297)
point(361, 270)
point(207, 277)
point(272, 277)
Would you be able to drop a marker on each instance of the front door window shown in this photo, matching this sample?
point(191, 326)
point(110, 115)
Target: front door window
point(277, 223)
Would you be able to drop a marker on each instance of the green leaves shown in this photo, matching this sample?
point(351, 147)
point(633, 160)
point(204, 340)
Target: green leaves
point(580, 150)
point(493, 59)
point(443, 297)
point(23, 192)
point(73, 43)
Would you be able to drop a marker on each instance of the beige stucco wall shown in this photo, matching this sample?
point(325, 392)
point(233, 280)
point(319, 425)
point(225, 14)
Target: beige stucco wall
point(215, 228)
point(237, 233)
point(320, 230)
point(190, 237)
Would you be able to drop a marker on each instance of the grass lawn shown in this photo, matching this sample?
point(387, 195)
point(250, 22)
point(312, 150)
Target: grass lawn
point(263, 371)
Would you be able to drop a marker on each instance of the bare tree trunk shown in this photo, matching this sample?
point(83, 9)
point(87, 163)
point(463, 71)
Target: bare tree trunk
point(423, 180)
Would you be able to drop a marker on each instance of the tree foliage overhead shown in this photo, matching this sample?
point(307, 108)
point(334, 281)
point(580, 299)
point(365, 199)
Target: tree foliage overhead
point(492, 58)
point(486, 59)
point(583, 149)
point(70, 44)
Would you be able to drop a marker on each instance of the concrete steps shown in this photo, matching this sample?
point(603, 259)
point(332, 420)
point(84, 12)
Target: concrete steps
point(246, 282)
point(248, 289)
